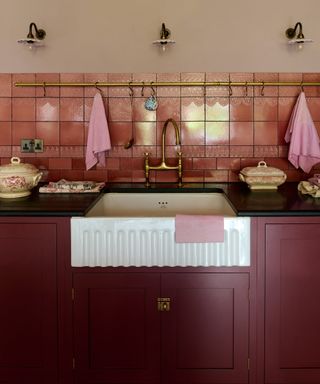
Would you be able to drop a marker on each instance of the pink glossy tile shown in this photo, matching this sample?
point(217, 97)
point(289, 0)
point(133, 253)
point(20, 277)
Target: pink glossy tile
point(122, 91)
point(71, 109)
point(140, 113)
point(233, 176)
point(241, 133)
point(93, 78)
point(119, 176)
point(71, 133)
point(72, 151)
point(242, 77)
point(5, 109)
point(145, 133)
point(47, 91)
point(228, 163)
point(78, 164)
point(22, 130)
point(112, 163)
point(263, 151)
point(192, 109)
point(285, 105)
point(23, 109)
point(120, 109)
point(71, 91)
point(58, 163)
point(130, 163)
point(166, 177)
point(147, 78)
point(5, 84)
point(49, 151)
point(266, 90)
point(68, 174)
point(168, 107)
point(310, 78)
point(192, 176)
point(193, 150)
point(216, 176)
point(217, 150)
point(120, 132)
point(314, 107)
point(192, 133)
point(204, 163)
point(217, 109)
point(120, 151)
point(278, 163)
point(138, 176)
point(48, 131)
point(168, 91)
point(265, 109)
point(217, 132)
point(5, 133)
point(265, 133)
point(23, 91)
point(282, 129)
point(217, 90)
point(241, 150)
point(47, 109)
point(290, 90)
point(241, 109)
point(7, 151)
point(193, 90)
point(140, 150)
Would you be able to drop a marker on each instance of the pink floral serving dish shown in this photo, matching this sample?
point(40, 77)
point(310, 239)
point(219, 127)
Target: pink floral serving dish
point(262, 176)
point(17, 179)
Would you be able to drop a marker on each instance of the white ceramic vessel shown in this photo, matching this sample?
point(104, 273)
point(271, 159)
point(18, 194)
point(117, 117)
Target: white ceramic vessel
point(17, 179)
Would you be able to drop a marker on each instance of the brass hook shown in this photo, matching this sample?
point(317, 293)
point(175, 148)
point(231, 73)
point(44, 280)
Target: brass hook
point(262, 89)
point(44, 89)
point(142, 89)
point(301, 86)
point(96, 86)
point(131, 91)
point(246, 89)
point(230, 89)
point(153, 91)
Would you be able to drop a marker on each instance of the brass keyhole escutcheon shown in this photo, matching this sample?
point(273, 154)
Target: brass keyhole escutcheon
point(163, 304)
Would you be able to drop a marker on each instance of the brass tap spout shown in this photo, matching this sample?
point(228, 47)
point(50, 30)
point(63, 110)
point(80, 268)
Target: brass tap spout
point(163, 165)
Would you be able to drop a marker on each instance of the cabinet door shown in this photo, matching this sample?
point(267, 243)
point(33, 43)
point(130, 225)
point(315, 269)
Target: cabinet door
point(28, 302)
point(117, 328)
point(292, 317)
point(205, 333)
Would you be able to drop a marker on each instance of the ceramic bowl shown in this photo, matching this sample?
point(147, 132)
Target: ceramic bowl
point(17, 179)
point(262, 176)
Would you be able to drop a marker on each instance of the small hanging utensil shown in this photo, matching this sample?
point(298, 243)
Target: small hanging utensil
point(151, 104)
point(130, 143)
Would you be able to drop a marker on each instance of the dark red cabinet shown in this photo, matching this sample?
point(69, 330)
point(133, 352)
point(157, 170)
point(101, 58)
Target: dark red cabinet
point(291, 264)
point(29, 325)
point(201, 336)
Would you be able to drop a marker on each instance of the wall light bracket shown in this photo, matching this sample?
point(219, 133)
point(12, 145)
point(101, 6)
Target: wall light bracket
point(33, 40)
point(164, 40)
point(296, 36)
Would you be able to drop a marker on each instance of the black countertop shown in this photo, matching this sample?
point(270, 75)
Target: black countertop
point(286, 201)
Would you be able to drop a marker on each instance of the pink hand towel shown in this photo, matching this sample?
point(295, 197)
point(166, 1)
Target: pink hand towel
point(304, 150)
point(199, 229)
point(98, 134)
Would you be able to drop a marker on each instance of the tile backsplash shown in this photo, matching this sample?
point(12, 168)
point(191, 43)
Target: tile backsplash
point(221, 133)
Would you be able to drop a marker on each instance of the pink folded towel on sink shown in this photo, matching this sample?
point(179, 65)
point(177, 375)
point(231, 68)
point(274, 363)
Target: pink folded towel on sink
point(199, 229)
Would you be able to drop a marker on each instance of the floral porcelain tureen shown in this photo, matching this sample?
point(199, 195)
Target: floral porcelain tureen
point(17, 179)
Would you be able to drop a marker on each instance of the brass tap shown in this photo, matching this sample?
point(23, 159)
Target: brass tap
point(163, 165)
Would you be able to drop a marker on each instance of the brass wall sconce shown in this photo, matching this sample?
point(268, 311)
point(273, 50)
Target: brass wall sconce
point(33, 40)
point(164, 38)
point(296, 36)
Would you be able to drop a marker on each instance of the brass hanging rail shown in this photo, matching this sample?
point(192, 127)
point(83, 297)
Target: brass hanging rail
point(172, 83)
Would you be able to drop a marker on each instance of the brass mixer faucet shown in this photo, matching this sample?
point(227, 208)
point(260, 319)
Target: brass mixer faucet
point(163, 166)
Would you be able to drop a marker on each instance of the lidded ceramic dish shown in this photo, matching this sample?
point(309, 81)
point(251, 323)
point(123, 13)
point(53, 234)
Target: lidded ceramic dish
point(262, 176)
point(17, 179)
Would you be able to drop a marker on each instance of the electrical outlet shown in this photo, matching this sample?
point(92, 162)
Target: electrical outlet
point(26, 145)
point(38, 145)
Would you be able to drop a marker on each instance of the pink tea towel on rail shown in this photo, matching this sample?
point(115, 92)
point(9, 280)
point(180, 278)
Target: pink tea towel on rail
point(98, 141)
point(199, 229)
point(304, 150)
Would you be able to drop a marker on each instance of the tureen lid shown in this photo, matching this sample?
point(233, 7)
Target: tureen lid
point(16, 167)
point(262, 170)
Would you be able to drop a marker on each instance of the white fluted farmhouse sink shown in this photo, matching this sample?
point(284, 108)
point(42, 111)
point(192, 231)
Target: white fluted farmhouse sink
point(138, 229)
